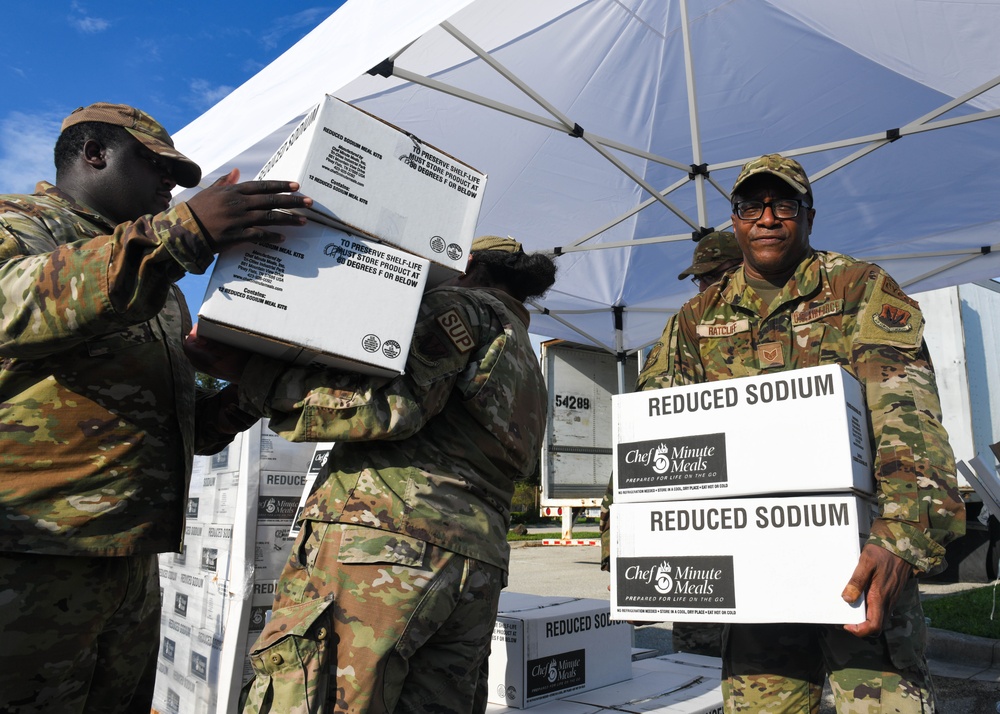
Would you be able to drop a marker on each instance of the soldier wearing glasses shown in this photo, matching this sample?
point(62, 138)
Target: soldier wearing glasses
point(790, 306)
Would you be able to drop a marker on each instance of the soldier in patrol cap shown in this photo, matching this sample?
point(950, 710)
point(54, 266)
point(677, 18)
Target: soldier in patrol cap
point(394, 582)
point(714, 255)
point(98, 404)
point(792, 306)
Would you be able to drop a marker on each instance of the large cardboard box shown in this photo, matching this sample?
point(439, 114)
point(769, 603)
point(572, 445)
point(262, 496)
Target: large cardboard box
point(370, 177)
point(547, 647)
point(767, 559)
point(321, 296)
point(799, 431)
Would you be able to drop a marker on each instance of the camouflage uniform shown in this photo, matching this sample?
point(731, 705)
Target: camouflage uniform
point(835, 310)
point(98, 411)
point(393, 585)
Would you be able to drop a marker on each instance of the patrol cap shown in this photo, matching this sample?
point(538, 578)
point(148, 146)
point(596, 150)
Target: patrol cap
point(788, 170)
point(145, 129)
point(506, 245)
point(712, 251)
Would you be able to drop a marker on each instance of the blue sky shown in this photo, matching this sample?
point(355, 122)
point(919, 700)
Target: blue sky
point(173, 60)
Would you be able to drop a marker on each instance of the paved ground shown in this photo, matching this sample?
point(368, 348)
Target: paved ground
point(967, 682)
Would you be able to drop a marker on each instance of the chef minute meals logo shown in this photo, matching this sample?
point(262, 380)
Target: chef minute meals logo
point(687, 461)
point(685, 582)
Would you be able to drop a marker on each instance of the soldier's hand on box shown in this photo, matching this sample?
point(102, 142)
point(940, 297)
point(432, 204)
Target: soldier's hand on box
point(880, 577)
point(215, 358)
point(231, 212)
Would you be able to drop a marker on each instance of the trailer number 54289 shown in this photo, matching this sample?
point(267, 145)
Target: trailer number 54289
point(571, 402)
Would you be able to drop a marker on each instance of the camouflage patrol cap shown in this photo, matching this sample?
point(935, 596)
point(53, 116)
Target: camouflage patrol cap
point(713, 250)
point(788, 170)
point(506, 245)
point(145, 129)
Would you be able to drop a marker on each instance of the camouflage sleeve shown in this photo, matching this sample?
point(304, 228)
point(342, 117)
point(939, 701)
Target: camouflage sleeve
point(657, 371)
point(73, 291)
point(914, 465)
point(329, 405)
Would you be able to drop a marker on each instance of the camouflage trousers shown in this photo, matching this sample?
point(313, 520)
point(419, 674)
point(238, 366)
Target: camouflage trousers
point(370, 621)
point(79, 634)
point(782, 667)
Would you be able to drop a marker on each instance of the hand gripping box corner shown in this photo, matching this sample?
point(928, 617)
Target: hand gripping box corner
point(803, 430)
point(322, 296)
point(373, 178)
point(766, 559)
point(546, 647)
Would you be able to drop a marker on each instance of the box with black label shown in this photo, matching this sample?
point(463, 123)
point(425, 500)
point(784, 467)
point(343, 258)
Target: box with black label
point(804, 430)
point(547, 647)
point(321, 296)
point(767, 559)
point(372, 178)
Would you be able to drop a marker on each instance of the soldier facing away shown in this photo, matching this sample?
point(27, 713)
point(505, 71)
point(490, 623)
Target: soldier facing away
point(98, 406)
point(790, 306)
point(389, 598)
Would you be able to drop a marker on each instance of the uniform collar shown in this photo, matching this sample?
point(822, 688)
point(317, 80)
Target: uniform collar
point(804, 281)
point(54, 193)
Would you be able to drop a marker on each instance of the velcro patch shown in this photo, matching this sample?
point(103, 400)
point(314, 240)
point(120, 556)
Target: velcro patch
point(770, 354)
point(811, 314)
point(724, 330)
point(456, 330)
point(891, 319)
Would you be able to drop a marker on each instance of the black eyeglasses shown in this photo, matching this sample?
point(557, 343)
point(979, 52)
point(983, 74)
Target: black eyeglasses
point(783, 208)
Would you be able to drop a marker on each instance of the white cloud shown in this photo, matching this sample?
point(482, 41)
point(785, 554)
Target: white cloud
point(205, 95)
point(306, 18)
point(84, 22)
point(26, 143)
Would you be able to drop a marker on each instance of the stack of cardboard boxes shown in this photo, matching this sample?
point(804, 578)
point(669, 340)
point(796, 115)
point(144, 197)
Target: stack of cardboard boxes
point(391, 216)
point(745, 500)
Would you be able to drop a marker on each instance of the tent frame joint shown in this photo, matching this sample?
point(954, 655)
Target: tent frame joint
point(892, 135)
point(383, 69)
point(698, 170)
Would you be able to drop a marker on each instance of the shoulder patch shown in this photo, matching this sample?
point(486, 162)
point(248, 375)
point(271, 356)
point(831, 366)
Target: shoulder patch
point(456, 330)
point(891, 317)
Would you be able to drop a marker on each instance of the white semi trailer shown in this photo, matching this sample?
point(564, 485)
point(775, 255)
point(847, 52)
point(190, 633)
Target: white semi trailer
point(576, 451)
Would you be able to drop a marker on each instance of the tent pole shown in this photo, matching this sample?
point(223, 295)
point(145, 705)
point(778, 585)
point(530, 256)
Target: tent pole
point(698, 175)
point(619, 316)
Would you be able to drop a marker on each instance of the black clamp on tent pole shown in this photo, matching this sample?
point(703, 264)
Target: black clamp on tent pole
point(577, 131)
point(985, 250)
point(557, 251)
point(892, 134)
point(698, 170)
point(383, 68)
point(701, 233)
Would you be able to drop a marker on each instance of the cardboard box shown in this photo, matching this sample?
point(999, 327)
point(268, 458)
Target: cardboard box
point(660, 685)
point(768, 559)
point(322, 296)
point(547, 647)
point(799, 431)
point(663, 684)
point(372, 178)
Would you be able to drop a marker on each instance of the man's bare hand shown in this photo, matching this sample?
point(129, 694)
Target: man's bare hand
point(232, 212)
point(880, 576)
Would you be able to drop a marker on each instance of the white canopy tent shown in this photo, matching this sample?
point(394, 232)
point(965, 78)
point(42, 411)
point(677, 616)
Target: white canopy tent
point(612, 130)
